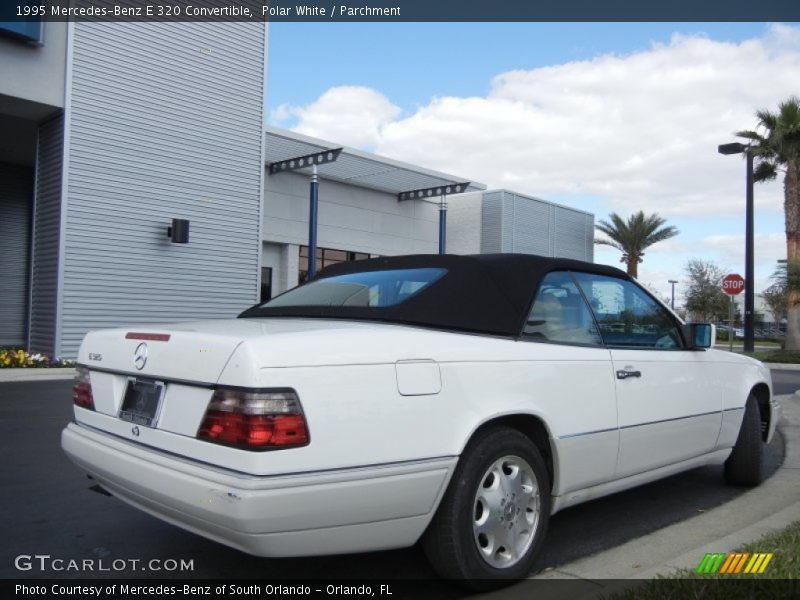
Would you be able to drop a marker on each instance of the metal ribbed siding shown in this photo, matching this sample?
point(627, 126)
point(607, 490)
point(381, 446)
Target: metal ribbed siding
point(588, 236)
point(165, 121)
point(16, 191)
point(570, 234)
point(492, 223)
point(515, 223)
point(46, 227)
point(527, 225)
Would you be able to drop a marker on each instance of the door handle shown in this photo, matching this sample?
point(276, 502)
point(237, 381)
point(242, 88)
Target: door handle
point(626, 374)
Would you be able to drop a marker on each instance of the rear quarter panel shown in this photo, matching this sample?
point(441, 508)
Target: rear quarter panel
point(357, 416)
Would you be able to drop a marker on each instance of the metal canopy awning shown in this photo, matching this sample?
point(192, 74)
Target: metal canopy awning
point(356, 167)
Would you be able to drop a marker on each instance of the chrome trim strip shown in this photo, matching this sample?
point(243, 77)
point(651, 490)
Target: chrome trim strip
point(140, 375)
point(250, 476)
point(572, 435)
point(705, 414)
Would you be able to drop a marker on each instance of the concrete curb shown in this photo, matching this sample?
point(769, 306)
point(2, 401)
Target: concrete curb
point(769, 507)
point(43, 374)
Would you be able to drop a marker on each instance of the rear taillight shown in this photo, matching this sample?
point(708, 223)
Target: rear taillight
point(255, 419)
point(82, 389)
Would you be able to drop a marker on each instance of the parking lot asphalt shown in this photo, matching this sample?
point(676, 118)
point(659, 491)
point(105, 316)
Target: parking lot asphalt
point(785, 382)
point(745, 519)
point(48, 509)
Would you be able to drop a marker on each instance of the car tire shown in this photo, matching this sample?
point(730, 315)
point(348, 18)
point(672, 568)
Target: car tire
point(744, 465)
point(500, 480)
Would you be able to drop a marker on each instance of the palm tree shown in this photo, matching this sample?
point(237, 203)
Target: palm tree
point(633, 236)
point(775, 144)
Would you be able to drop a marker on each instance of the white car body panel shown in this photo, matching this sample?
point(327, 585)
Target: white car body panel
point(389, 409)
point(618, 485)
point(331, 512)
point(671, 413)
point(418, 377)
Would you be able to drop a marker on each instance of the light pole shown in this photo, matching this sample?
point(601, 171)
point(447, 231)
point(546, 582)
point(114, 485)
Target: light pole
point(749, 266)
point(673, 282)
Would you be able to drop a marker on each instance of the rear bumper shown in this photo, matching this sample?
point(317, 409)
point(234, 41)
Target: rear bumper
point(329, 512)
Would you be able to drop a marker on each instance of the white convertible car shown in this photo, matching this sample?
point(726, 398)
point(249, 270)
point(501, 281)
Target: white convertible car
point(458, 399)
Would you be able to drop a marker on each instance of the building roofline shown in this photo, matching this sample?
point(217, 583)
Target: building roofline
point(418, 177)
point(530, 197)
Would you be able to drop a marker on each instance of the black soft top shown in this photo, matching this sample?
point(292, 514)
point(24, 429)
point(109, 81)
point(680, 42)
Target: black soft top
point(480, 293)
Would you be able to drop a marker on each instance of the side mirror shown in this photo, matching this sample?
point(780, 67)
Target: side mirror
point(700, 335)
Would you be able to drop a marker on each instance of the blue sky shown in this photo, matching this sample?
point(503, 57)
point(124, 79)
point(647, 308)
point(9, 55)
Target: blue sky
point(603, 117)
point(412, 62)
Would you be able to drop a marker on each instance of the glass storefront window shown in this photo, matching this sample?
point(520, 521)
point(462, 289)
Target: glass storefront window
point(325, 258)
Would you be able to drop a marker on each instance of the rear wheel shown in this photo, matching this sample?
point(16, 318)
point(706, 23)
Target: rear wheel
point(493, 518)
point(744, 465)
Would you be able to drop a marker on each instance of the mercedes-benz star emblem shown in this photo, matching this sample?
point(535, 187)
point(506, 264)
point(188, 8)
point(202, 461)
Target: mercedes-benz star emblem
point(135, 431)
point(140, 356)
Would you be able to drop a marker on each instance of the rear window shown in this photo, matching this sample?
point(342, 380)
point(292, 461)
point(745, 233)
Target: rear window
point(374, 289)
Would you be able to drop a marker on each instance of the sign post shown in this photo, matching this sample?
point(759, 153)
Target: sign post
point(732, 284)
point(730, 324)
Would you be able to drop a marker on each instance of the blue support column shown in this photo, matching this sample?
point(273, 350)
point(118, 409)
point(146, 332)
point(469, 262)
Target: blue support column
point(443, 225)
point(312, 224)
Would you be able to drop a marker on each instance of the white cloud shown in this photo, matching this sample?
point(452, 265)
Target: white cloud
point(666, 260)
point(350, 115)
point(769, 247)
point(671, 246)
point(728, 252)
point(639, 131)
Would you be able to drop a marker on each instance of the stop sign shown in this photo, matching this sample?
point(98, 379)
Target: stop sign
point(733, 284)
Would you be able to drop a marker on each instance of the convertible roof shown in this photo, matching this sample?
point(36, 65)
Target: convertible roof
point(480, 293)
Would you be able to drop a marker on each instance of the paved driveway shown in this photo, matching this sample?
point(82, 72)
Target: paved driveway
point(47, 509)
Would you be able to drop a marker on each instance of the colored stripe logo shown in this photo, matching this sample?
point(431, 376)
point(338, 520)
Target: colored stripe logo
point(735, 562)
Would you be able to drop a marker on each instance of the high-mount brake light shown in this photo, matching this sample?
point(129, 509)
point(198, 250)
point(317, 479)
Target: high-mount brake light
point(82, 389)
point(255, 419)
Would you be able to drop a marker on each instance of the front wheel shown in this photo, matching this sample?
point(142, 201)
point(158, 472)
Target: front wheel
point(744, 465)
point(493, 518)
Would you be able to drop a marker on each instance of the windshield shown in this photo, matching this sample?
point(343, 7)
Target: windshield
point(374, 289)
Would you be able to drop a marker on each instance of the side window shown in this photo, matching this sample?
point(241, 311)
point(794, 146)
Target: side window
point(627, 315)
point(559, 313)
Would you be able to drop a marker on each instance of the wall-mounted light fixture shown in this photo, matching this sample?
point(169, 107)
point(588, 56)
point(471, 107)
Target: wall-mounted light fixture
point(179, 231)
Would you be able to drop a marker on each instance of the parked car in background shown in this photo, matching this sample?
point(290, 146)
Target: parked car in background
point(461, 400)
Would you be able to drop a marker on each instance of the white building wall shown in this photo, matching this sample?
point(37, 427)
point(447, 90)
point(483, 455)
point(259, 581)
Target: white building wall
point(464, 223)
point(351, 218)
point(271, 255)
point(289, 271)
point(35, 73)
point(759, 304)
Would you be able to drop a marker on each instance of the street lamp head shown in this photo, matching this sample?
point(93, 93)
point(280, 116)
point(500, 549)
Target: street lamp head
point(732, 148)
point(672, 281)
